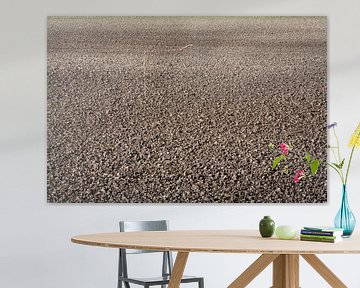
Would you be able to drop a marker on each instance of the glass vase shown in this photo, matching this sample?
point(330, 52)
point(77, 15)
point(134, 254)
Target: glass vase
point(345, 219)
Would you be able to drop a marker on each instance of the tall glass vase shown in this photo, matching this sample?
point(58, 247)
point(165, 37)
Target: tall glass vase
point(345, 219)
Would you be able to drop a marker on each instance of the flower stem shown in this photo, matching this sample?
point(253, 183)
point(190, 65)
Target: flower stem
point(337, 144)
point(333, 151)
point(337, 171)
point(348, 166)
point(351, 156)
point(339, 155)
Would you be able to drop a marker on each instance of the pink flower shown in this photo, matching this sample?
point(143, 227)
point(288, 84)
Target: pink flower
point(284, 148)
point(298, 175)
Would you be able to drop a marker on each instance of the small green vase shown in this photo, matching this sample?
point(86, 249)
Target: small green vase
point(267, 227)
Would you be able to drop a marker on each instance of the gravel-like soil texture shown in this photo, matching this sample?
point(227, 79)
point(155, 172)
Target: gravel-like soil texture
point(182, 109)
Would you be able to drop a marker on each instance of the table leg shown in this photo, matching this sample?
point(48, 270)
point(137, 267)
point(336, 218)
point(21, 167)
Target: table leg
point(178, 269)
point(286, 271)
point(253, 270)
point(324, 271)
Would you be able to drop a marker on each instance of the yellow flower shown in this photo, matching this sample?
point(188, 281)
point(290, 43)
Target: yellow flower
point(355, 138)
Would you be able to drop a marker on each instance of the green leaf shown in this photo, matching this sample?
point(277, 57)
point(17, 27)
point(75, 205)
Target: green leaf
point(307, 157)
point(342, 164)
point(314, 166)
point(271, 146)
point(336, 169)
point(276, 162)
point(336, 165)
point(339, 166)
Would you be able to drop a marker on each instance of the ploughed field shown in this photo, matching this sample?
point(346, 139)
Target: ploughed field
point(182, 109)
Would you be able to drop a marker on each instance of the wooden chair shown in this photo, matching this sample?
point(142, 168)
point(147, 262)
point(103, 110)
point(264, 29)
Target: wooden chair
point(167, 262)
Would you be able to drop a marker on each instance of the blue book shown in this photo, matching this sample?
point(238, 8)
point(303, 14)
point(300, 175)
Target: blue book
point(322, 231)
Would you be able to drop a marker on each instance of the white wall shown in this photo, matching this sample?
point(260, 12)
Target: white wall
point(35, 248)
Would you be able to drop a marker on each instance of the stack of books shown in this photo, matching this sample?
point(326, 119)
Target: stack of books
point(321, 234)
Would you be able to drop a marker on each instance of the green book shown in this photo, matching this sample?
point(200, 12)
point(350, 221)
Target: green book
point(324, 240)
point(319, 236)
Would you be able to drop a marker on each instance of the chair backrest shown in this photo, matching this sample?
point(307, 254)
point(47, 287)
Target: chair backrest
point(134, 226)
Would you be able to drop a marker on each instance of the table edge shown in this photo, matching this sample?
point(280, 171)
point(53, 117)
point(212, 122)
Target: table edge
point(203, 250)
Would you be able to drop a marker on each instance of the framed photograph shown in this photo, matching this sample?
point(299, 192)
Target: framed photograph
point(187, 109)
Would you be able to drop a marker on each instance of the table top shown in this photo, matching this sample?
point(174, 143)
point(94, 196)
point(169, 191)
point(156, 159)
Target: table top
point(217, 241)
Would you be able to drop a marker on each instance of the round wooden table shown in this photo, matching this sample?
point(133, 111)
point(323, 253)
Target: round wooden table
point(284, 254)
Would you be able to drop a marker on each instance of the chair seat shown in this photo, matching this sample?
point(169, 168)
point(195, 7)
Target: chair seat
point(158, 280)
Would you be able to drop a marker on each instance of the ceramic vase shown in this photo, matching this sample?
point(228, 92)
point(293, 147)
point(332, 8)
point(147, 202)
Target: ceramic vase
point(266, 227)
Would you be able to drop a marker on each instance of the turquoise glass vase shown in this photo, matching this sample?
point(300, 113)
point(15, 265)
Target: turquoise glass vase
point(345, 219)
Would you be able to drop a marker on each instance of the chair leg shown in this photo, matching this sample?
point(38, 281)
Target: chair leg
point(126, 284)
point(119, 270)
point(201, 283)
